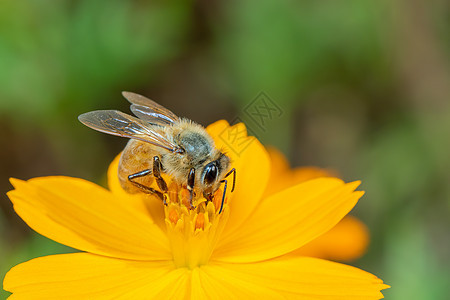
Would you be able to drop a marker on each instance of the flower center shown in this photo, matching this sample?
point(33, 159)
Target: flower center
point(193, 233)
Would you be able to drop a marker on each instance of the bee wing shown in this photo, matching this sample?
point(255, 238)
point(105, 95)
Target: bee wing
point(150, 111)
point(118, 123)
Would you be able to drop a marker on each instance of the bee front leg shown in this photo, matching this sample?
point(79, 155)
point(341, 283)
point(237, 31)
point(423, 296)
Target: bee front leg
point(225, 187)
point(190, 186)
point(208, 196)
point(223, 196)
point(144, 188)
point(157, 166)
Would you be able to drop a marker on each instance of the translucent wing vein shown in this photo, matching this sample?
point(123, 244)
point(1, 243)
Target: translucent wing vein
point(118, 123)
point(150, 111)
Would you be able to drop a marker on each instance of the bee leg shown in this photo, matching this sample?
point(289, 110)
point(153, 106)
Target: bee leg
point(190, 186)
point(223, 196)
point(157, 166)
point(234, 177)
point(145, 188)
point(208, 196)
point(225, 187)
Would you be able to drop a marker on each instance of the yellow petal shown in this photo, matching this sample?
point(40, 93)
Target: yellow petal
point(252, 164)
point(209, 283)
point(282, 177)
point(217, 128)
point(113, 178)
point(198, 291)
point(89, 276)
point(279, 162)
point(275, 229)
point(346, 241)
point(293, 177)
point(301, 278)
point(84, 216)
point(303, 174)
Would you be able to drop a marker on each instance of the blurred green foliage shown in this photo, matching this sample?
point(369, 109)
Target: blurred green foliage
point(289, 49)
point(364, 87)
point(53, 54)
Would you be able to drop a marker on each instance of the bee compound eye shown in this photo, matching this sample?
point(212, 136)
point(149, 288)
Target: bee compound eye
point(211, 172)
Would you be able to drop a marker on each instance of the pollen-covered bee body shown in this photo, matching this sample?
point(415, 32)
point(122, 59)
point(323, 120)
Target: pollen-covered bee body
point(162, 143)
point(198, 150)
point(136, 157)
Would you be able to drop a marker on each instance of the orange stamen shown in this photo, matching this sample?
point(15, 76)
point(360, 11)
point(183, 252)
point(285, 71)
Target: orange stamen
point(200, 221)
point(217, 199)
point(185, 197)
point(173, 216)
point(173, 192)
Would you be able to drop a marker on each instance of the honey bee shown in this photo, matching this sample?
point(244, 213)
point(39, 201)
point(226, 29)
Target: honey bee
point(160, 142)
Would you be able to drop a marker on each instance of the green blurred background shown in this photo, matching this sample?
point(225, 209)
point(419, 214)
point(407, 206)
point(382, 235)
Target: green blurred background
point(363, 85)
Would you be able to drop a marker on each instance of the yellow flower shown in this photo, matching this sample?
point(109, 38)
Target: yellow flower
point(136, 248)
point(346, 241)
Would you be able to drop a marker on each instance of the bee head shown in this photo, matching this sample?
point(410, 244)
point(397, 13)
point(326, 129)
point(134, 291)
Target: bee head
point(210, 173)
point(214, 170)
